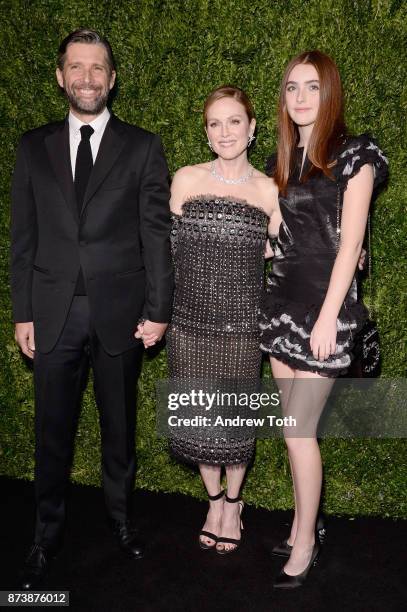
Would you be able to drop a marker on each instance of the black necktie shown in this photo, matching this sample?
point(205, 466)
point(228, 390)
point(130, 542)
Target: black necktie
point(83, 168)
point(84, 165)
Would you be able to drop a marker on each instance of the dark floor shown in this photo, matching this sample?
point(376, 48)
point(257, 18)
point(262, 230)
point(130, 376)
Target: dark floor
point(361, 567)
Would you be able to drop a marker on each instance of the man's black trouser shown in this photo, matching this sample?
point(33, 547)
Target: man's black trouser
point(59, 378)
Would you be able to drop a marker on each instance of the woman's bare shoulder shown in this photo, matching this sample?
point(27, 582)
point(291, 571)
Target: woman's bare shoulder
point(267, 189)
point(267, 181)
point(188, 173)
point(184, 181)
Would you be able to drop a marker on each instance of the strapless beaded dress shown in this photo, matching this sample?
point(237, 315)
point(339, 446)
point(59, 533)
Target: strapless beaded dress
point(218, 251)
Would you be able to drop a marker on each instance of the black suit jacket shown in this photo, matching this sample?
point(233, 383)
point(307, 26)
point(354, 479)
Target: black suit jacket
point(121, 238)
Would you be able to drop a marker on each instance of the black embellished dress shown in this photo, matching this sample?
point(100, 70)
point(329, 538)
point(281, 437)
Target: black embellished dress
point(218, 248)
point(306, 250)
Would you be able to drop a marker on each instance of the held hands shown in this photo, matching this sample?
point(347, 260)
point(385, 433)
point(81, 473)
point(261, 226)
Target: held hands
point(24, 336)
point(323, 338)
point(150, 332)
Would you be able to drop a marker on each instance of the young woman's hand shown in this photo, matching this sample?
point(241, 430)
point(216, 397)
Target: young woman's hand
point(362, 259)
point(323, 338)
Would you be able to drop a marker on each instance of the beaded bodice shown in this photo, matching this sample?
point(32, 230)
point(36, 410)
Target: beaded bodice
point(218, 248)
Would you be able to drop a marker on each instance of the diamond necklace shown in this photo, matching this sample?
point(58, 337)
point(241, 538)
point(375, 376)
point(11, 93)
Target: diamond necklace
point(238, 181)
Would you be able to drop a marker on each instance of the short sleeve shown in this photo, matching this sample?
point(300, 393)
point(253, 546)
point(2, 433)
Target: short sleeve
point(271, 164)
point(357, 152)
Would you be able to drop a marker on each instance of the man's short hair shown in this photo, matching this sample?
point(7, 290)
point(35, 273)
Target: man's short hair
point(91, 37)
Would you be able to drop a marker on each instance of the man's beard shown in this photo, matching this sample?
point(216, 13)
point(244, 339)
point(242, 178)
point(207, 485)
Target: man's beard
point(87, 107)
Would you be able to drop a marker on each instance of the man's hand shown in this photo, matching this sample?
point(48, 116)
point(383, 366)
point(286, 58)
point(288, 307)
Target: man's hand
point(150, 332)
point(24, 336)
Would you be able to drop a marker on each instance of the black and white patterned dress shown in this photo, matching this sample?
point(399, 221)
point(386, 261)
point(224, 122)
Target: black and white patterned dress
point(218, 248)
point(306, 249)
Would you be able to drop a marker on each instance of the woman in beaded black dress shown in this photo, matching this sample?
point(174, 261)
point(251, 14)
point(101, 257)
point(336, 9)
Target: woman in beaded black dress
point(310, 312)
point(221, 212)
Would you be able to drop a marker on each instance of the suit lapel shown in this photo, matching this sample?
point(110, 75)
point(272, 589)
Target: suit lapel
point(57, 145)
point(112, 143)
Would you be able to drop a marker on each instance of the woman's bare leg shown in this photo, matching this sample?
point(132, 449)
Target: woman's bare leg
point(230, 527)
point(211, 478)
point(307, 399)
point(284, 376)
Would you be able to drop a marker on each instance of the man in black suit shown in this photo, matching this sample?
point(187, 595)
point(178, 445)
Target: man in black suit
point(90, 259)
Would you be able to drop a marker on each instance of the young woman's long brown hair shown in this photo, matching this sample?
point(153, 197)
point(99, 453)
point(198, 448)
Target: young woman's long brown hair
point(329, 129)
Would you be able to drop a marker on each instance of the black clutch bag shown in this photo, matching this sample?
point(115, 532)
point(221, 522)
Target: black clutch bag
point(366, 351)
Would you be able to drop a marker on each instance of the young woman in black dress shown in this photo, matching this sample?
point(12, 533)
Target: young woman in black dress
point(310, 312)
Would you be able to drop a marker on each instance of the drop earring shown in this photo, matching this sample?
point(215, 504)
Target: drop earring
point(250, 139)
point(208, 142)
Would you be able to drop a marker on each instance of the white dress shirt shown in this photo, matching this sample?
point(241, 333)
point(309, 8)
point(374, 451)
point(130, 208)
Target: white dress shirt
point(75, 125)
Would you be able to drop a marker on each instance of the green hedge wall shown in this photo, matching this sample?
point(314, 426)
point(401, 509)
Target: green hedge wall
point(170, 54)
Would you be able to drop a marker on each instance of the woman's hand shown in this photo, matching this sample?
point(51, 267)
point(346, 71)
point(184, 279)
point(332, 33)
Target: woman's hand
point(362, 259)
point(323, 338)
point(268, 252)
point(150, 332)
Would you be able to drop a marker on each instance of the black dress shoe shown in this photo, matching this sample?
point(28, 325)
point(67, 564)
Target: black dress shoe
point(35, 567)
point(127, 540)
point(285, 581)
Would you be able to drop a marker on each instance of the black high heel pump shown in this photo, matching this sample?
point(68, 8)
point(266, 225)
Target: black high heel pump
point(285, 581)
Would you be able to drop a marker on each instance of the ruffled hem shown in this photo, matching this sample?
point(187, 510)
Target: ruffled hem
point(287, 336)
point(296, 364)
point(352, 312)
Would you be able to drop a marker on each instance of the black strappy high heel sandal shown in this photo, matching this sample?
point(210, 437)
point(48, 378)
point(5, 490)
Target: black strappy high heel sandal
point(208, 534)
point(224, 551)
